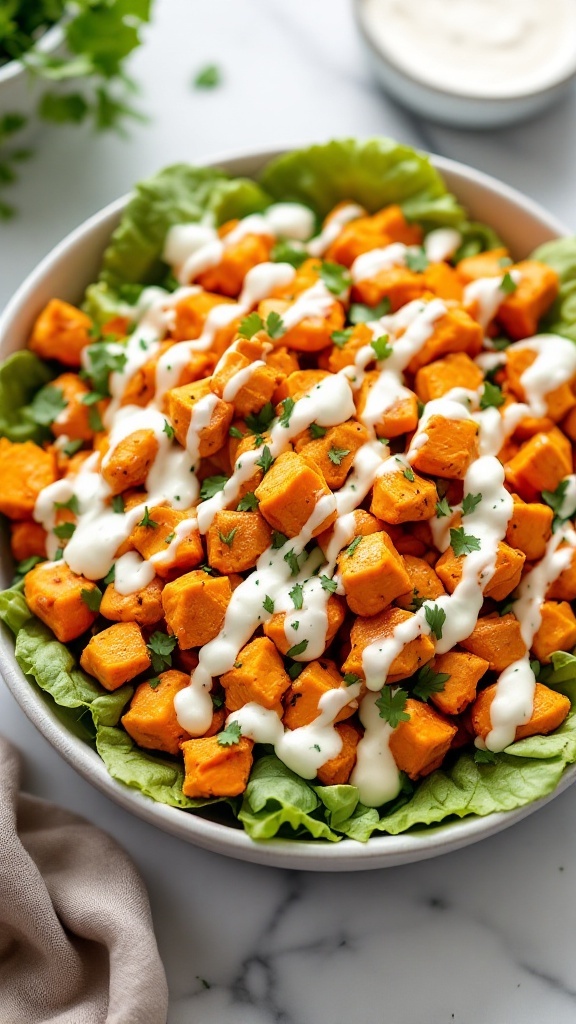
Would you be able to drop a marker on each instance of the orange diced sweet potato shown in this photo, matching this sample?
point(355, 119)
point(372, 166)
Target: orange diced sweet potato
point(366, 631)
point(364, 525)
point(400, 418)
point(254, 392)
point(398, 499)
point(216, 770)
point(334, 453)
point(61, 332)
point(143, 606)
point(375, 232)
point(420, 745)
point(564, 588)
point(550, 710)
point(236, 540)
point(456, 331)
point(337, 770)
point(455, 370)
point(497, 639)
point(289, 492)
point(449, 449)
point(492, 263)
point(425, 584)
point(130, 461)
point(27, 539)
point(301, 701)
point(274, 628)
point(258, 675)
point(558, 402)
point(74, 420)
point(116, 655)
point(151, 718)
point(156, 541)
point(557, 630)
point(25, 469)
point(521, 310)
point(194, 607)
point(238, 258)
point(506, 577)
point(54, 593)
point(373, 574)
point(530, 528)
point(465, 671)
point(540, 464)
point(180, 405)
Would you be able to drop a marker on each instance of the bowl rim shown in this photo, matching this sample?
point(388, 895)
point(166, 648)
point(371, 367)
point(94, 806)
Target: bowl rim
point(493, 100)
point(49, 41)
point(347, 854)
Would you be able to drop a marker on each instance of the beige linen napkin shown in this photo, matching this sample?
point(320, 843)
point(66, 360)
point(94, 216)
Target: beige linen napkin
point(76, 938)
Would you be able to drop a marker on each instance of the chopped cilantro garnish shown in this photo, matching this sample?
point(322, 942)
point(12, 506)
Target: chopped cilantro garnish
point(336, 277)
point(297, 596)
point(118, 503)
point(316, 431)
point(250, 325)
point(265, 461)
point(230, 735)
point(337, 454)
point(110, 575)
point(268, 604)
point(352, 547)
point(491, 396)
point(168, 429)
point(429, 682)
point(154, 683)
point(71, 447)
point(258, 422)
point(470, 502)
point(361, 314)
point(508, 284)
point(391, 704)
point(484, 757)
point(160, 646)
point(382, 347)
point(211, 485)
point(443, 508)
point(275, 326)
point(278, 540)
point(409, 474)
point(147, 521)
point(287, 410)
point(288, 252)
point(417, 260)
point(64, 531)
point(294, 671)
point(435, 617)
point(298, 649)
point(463, 543)
point(327, 584)
point(249, 503)
point(72, 505)
point(92, 598)
point(235, 432)
point(291, 558)
point(341, 337)
point(228, 538)
point(351, 679)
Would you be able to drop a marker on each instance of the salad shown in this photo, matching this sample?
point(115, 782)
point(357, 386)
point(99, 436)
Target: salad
point(291, 500)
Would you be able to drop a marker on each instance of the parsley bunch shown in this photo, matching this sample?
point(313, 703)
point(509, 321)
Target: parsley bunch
point(88, 83)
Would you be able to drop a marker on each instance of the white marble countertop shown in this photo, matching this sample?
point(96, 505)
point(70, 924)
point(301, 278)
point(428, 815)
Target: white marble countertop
point(483, 936)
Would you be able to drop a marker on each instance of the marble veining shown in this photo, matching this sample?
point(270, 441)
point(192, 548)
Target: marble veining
point(483, 936)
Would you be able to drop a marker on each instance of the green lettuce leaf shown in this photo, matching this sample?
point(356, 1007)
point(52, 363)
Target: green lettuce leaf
point(561, 256)
point(21, 376)
point(157, 777)
point(13, 608)
point(52, 666)
point(277, 801)
point(179, 194)
point(373, 172)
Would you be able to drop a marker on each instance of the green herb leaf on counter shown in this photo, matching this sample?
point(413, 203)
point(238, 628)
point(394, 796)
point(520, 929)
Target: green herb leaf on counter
point(209, 77)
point(391, 705)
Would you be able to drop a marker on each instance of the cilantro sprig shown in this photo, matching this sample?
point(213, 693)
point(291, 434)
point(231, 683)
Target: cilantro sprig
point(160, 647)
point(463, 543)
point(391, 705)
point(429, 682)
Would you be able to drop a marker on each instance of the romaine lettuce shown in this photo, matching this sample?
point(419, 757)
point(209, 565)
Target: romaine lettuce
point(21, 376)
point(561, 256)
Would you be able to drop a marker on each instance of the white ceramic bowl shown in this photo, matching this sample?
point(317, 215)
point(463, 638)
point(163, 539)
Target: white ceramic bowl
point(65, 272)
point(448, 106)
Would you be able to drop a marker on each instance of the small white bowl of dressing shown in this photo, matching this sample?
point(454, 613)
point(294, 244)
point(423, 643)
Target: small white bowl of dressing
point(471, 63)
